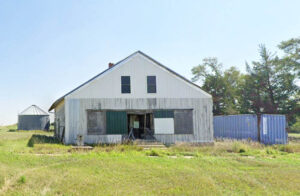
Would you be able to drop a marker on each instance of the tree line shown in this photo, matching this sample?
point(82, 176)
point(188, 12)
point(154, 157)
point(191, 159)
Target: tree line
point(268, 86)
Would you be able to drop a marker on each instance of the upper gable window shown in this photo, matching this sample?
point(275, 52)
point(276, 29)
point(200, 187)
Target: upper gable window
point(151, 84)
point(125, 84)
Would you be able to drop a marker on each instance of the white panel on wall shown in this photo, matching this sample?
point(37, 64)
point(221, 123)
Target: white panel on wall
point(164, 125)
point(265, 125)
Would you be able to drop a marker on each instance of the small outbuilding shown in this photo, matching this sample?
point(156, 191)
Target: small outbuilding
point(33, 118)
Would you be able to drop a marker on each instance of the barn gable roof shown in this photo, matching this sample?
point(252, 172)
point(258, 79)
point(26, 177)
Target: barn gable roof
point(57, 102)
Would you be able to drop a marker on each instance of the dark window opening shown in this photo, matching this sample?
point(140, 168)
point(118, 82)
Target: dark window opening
point(125, 84)
point(151, 84)
point(95, 122)
point(183, 121)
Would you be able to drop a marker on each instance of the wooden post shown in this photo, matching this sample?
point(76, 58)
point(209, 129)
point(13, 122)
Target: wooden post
point(258, 127)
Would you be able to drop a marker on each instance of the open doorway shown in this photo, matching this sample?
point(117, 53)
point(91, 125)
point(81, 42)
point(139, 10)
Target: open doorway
point(141, 125)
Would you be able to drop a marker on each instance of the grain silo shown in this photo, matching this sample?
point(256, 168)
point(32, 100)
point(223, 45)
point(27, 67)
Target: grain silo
point(33, 118)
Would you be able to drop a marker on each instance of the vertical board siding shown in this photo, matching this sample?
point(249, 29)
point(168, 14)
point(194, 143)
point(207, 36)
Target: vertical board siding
point(116, 122)
point(76, 117)
point(60, 120)
point(108, 85)
point(236, 127)
point(273, 129)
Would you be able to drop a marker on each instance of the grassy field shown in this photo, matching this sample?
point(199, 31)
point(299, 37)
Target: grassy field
point(227, 168)
point(296, 135)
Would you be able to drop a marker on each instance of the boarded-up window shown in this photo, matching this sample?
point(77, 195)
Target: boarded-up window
point(95, 122)
point(164, 125)
point(164, 122)
point(183, 120)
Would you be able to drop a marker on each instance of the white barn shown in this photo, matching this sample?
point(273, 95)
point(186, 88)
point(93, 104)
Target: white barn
point(137, 97)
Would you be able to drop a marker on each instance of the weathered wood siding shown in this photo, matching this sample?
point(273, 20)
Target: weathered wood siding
point(104, 93)
point(76, 117)
point(59, 120)
point(138, 68)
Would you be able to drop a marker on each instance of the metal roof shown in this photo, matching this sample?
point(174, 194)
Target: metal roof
point(137, 52)
point(33, 110)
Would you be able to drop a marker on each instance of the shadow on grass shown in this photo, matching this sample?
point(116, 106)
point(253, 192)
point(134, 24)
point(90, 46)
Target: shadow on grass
point(42, 139)
point(12, 130)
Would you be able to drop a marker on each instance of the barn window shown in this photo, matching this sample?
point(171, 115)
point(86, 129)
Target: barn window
point(151, 84)
point(95, 122)
point(125, 84)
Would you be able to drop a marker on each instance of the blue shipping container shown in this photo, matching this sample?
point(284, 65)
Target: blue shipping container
point(236, 127)
point(273, 129)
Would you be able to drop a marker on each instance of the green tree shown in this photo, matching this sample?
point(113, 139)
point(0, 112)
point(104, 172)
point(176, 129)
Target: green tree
point(290, 63)
point(291, 48)
point(271, 86)
point(259, 86)
point(221, 85)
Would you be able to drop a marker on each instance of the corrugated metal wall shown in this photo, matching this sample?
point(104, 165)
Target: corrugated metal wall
point(33, 122)
point(236, 127)
point(273, 129)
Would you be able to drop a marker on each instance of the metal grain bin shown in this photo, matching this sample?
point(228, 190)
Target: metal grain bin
point(33, 118)
point(273, 129)
point(236, 127)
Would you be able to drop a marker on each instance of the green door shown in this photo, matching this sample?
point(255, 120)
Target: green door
point(116, 122)
point(164, 114)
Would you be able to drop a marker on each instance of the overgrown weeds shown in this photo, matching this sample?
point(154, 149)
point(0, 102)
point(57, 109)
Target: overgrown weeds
point(116, 147)
point(42, 139)
point(239, 147)
point(22, 180)
point(153, 153)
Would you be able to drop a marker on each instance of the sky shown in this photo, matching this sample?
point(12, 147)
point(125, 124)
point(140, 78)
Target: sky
point(49, 47)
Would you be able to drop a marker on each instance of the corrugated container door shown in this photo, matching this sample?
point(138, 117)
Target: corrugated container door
point(116, 122)
point(273, 129)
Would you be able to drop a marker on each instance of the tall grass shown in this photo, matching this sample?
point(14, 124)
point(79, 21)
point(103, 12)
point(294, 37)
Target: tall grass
point(42, 139)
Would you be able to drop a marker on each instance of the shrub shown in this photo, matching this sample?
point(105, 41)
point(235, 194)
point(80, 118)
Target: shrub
point(153, 153)
point(238, 147)
point(295, 128)
point(22, 180)
point(271, 151)
point(42, 139)
point(286, 148)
